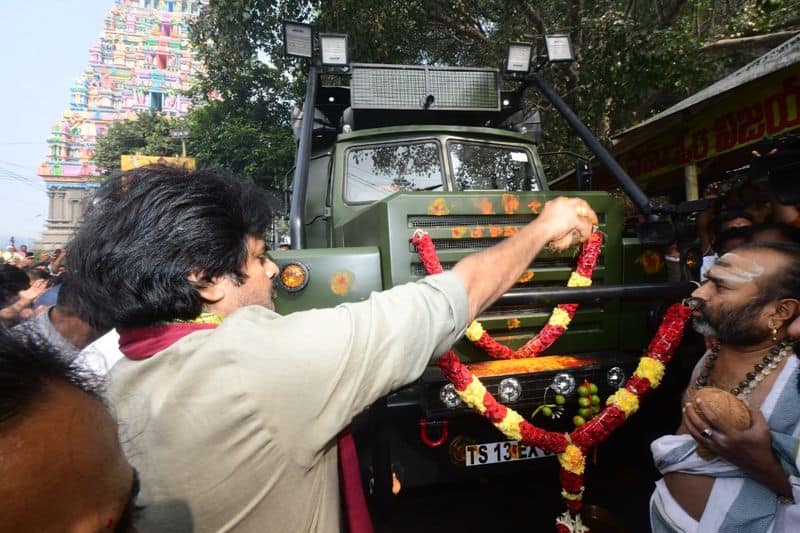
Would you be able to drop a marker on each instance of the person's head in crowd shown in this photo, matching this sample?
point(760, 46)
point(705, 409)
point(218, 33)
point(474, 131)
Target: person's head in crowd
point(12, 281)
point(35, 273)
point(731, 219)
point(732, 238)
point(774, 233)
point(69, 315)
point(23, 249)
point(210, 254)
point(751, 295)
point(62, 466)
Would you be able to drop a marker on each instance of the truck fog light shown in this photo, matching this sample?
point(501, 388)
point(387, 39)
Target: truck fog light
point(449, 396)
point(563, 383)
point(509, 390)
point(615, 377)
point(293, 276)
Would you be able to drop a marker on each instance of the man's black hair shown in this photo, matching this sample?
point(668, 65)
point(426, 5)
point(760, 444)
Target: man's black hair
point(12, 280)
point(26, 366)
point(783, 232)
point(35, 273)
point(726, 216)
point(148, 229)
point(732, 238)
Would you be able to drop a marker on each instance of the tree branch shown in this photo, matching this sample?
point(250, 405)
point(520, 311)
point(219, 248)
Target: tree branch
point(672, 14)
point(535, 16)
point(470, 31)
point(752, 41)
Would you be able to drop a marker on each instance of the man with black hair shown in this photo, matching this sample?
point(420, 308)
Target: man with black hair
point(751, 483)
point(61, 325)
point(228, 406)
point(61, 464)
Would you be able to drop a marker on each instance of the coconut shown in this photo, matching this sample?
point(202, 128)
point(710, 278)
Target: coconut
point(723, 406)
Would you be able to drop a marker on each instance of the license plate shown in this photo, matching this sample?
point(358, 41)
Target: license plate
point(501, 452)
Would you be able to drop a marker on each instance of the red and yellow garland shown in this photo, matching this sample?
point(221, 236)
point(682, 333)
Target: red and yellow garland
point(570, 447)
point(557, 323)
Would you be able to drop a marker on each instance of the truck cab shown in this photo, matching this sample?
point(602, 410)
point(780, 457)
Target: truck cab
point(446, 151)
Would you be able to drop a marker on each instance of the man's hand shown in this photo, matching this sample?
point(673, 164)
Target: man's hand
point(34, 291)
point(750, 450)
point(566, 222)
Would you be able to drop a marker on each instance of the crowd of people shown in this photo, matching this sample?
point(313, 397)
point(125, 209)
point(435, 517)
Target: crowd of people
point(186, 403)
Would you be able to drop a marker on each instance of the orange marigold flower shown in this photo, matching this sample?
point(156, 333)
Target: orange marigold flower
point(459, 232)
point(438, 207)
point(535, 207)
point(526, 276)
point(513, 323)
point(476, 233)
point(508, 231)
point(510, 204)
point(651, 261)
point(341, 282)
point(495, 231)
point(485, 205)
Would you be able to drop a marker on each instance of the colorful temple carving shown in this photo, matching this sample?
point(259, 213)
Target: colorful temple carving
point(142, 61)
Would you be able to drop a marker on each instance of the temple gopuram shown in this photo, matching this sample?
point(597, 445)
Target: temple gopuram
point(142, 61)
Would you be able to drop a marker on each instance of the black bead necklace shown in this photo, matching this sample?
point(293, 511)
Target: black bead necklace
point(760, 371)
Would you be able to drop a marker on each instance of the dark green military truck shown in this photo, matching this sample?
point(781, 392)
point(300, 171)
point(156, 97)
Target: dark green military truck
point(445, 150)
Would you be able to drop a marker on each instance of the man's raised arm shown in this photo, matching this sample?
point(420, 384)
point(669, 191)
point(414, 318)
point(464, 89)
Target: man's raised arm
point(487, 275)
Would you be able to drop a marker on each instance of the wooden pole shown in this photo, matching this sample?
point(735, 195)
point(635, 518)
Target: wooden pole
point(690, 181)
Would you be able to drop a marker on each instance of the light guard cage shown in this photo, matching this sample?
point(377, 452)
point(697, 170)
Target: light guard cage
point(411, 86)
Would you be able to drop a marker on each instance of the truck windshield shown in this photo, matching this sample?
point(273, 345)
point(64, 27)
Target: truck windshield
point(377, 171)
point(491, 167)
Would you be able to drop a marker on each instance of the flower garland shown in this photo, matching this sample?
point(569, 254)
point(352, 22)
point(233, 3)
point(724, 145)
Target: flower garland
point(572, 447)
point(560, 318)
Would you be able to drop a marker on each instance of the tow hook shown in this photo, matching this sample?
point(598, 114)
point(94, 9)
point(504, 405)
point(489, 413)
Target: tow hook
point(423, 432)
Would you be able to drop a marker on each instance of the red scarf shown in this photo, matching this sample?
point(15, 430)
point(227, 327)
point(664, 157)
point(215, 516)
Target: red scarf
point(142, 343)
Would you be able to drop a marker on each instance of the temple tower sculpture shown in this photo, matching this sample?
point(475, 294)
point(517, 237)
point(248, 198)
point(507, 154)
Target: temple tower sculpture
point(142, 61)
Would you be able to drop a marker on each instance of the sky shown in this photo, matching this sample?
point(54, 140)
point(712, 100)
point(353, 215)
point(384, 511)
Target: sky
point(45, 47)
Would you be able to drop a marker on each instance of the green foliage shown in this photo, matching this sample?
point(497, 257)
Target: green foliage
point(635, 58)
point(148, 134)
point(241, 144)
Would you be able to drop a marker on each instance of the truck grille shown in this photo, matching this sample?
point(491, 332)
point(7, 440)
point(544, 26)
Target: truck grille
point(449, 221)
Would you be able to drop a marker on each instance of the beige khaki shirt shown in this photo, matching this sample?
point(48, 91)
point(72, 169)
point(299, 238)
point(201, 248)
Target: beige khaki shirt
point(233, 429)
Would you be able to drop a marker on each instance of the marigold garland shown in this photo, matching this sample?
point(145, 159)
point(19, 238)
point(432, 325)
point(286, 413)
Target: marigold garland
point(572, 448)
point(560, 318)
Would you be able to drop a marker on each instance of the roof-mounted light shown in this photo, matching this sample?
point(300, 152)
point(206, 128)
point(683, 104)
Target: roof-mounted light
point(298, 39)
point(333, 48)
point(559, 48)
point(518, 58)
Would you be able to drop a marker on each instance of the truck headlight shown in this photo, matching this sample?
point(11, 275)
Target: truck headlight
point(615, 377)
point(293, 276)
point(449, 396)
point(509, 390)
point(563, 383)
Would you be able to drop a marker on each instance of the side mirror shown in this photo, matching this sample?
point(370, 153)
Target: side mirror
point(657, 233)
point(531, 124)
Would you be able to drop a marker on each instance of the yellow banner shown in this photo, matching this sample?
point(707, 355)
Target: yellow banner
point(128, 162)
point(767, 107)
